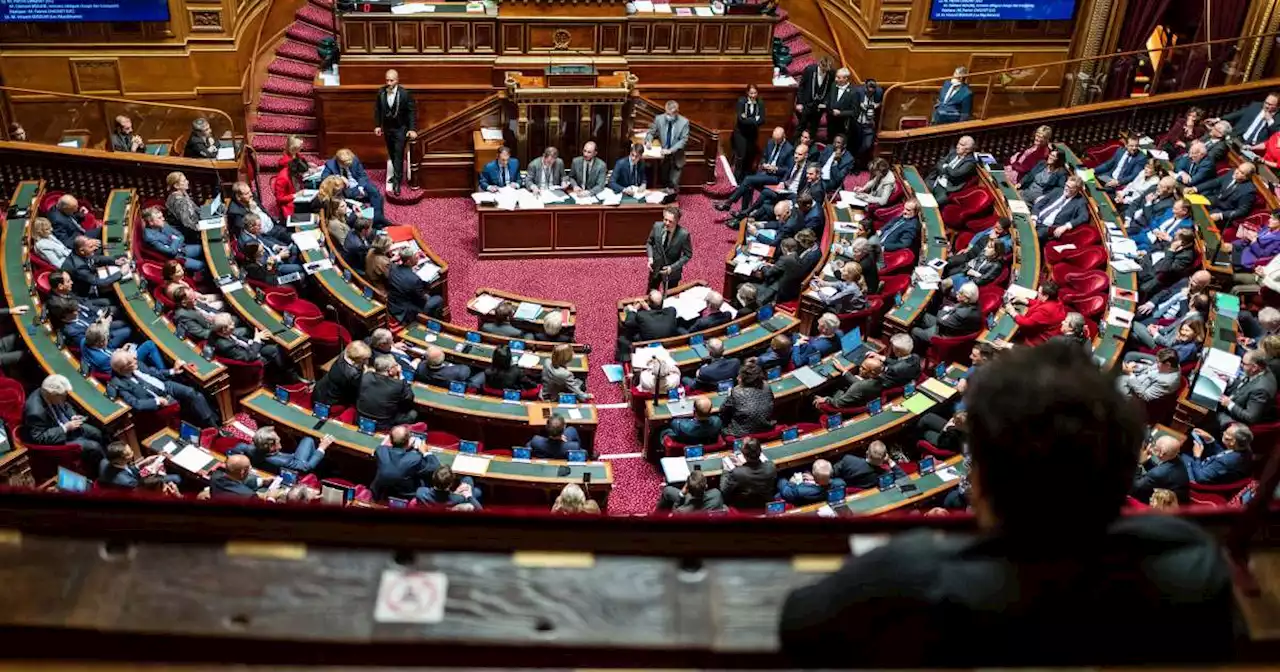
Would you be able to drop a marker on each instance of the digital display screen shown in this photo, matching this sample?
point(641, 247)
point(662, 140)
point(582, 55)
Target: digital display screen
point(1002, 10)
point(14, 11)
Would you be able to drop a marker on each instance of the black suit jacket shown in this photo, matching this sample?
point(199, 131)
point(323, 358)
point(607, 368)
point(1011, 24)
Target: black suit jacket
point(400, 471)
point(199, 148)
point(956, 176)
point(402, 116)
point(846, 103)
point(1171, 475)
point(750, 486)
point(784, 278)
point(84, 273)
point(710, 320)
point(235, 217)
point(808, 92)
point(1244, 117)
point(38, 422)
point(1234, 200)
point(676, 253)
point(650, 325)
point(222, 486)
point(224, 346)
point(382, 398)
point(857, 472)
point(340, 386)
point(751, 124)
point(406, 293)
point(965, 319)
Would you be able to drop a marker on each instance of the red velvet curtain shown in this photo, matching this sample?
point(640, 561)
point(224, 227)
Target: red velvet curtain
point(1224, 21)
point(1140, 20)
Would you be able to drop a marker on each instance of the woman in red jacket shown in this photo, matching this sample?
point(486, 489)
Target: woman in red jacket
point(1021, 163)
point(1043, 317)
point(286, 183)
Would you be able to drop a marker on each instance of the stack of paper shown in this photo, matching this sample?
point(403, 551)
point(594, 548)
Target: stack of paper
point(413, 8)
point(485, 303)
point(210, 224)
point(760, 250)
point(641, 357)
point(702, 11)
point(848, 198)
point(507, 200)
point(226, 153)
point(428, 271)
point(526, 201)
point(655, 197)
point(484, 198)
point(528, 360)
point(528, 311)
point(926, 199)
point(807, 376)
point(307, 240)
point(643, 5)
point(687, 308)
point(317, 266)
point(491, 134)
point(584, 199)
point(1019, 208)
point(1017, 291)
point(1159, 155)
point(1125, 265)
point(748, 265)
point(661, 8)
point(304, 195)
point(675, 469)
point(473, 465)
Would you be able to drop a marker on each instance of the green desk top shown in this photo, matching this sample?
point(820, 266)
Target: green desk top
point(439, 399)
point(159, 148)
point(140, 305)
point(481, 354)
point(1208, 232)
point(85, 392)
point(244, 300)
point(1026, 258)
point(749, 337)
point(873, 501)
point(933, 246)
point(853, 430)
point(503, 468)
point(335, 286)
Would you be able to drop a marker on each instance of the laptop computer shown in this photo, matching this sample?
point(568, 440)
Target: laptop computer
point(852, 345)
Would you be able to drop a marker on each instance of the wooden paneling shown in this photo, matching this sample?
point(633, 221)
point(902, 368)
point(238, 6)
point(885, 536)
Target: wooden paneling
point(459, 35)
point(484, 38)
point(407, 38)
point(433, 37)
point(355, 37)
point(662, 38)
point(637, 37)
point(710, 36)
point(512, 38)
point(380, 36)
point(544, 37)
point(686, 38)
point(610, 39)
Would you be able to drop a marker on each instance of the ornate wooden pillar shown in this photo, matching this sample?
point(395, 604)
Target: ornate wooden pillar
point(1096, 34)
point(1265, 18)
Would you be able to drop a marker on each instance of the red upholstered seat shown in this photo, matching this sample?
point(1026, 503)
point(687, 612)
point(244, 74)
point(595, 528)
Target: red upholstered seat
point(1160, 411)
point(1224, 490)
point(1099, 154)
point(1080, 256)
point(898, 261)
point(524, 394)
point(284, 303)
point(927, 448)
point(327, 336)
point(862, 318)
point(990, 297)
point(966, 204)
point(442, 439)
point(1090, 306)
point(150, 422)
point(42, 284)
point(1090, 282)
point(152, 272)
point(879, 213)
point(245, 376)
point(211, 440)
point(1082, 236)
point(44, 459)
point(12, 398)
point(673, 448)
point(950, 348)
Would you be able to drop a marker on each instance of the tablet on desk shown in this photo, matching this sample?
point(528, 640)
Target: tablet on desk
point(70, 481)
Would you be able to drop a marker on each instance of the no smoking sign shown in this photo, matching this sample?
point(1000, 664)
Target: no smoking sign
point(411, 597)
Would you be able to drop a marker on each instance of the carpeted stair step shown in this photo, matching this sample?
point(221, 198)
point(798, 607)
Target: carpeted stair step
point(284, 67)
point(323, 4)
point(270, 161)
point(785, 30)
point(299, 107)
point(298, 51)
point(799, 63)
point(317, 16)
point(274, 142)
point(287, 86)
point(800, 47)
point(304, 32)
point(284, 123)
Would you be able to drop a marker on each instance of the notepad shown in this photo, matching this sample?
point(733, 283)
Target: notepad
point(937, 388)
point(926, 199)
point(527, 311)
point(226, 153)
point(470, 464)
point(917, 404)
point(1019, 208)
point(1196, 199)
point(192, 459)
point(528, 360)
point(675, 469)
point(809, 377)
point(702, 11)
point(485, 303)
point(210, 224)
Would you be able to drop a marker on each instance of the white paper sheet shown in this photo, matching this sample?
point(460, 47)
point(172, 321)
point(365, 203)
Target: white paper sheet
point(226, 153)
point(427, 271)
point(1019, 208)
point(926, 199)
point(211, 224)
point(848, 198)
point(484, 198)
point(1125, 265)
point(528, 360)
point(317, 266)
point(470, 464)
point(191, 458)
point(307, 240)
point(675, 469)
point(485, 303)
point(655, 197)
point(491, 134)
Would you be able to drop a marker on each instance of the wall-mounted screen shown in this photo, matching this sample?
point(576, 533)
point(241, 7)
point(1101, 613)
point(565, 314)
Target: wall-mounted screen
point(1002, 10)
point(13, 11)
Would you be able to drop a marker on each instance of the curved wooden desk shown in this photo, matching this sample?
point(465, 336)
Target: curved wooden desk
point(1026, 250)
point(567, 310)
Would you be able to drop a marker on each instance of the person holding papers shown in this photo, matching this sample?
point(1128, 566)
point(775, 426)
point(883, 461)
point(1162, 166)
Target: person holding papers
point(1256, 121)
point(147, 389)
point(878, 188)
point(1220, 462)
point(954, 171)
point(557, 379)
point(1061, 210)
point(586, 173)
point(1044, 177)
point(672, 131)
point(710, 317)
point(1195, 168)
point(864, 386)
point(811, 487)
point(359, 187)
point(649, 321)
point(748, 409)
point(1122, 167)
point(1160, 234)
point(1140, 184)
point(1253, 250)
point(775, 164)
point(546, 173)
point(846, 295)
point(1043, 315)
point(286, 183)
point(903, 233)
point(1179, 258)
point(1230, 195)
point(555, 441)
point(669, 247)
point(628, 173)
point(1251, 397)
point(500, 172)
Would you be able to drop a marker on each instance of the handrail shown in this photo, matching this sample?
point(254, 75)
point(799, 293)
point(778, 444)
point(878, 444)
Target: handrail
point(205, 111)
point(989, 74)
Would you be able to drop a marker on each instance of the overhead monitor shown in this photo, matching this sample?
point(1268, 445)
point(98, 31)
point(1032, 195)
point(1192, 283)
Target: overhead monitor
point(1002, 10)
point(79, 11)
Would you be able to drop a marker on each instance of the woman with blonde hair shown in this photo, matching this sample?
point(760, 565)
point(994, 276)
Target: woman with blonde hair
point(330, 194)
point(46, 244)
point(378, 261)
point(573, 500)
point(850, 293)
point(1024, 161)
point(1163, 500)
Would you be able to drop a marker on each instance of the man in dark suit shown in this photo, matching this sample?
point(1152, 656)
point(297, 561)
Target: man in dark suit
point(408, 295)
point(1215, 141)
point(669, 247)
point(47, 419)
point(355, 247)
point(385, 397)
point(903, 233)
point(501, 323)
point(160, 236)
point(865, 121)
point(435, 370)
point(500, 172)
point(693, 497)
point(841, 105)
point(146, 389)
point(1255, 122)
point(69, 220)
point(1119, 170)
point(834, 164)
point(720, 368)
point(795, 181)
point(863, 387)
point(628, 173)
point(955, 99)
point(702, 429)
point(803, 489)
point(1195, 168)
point(446, 489)
point(1033, 410)
point(243, 204)
point(778, 354)
point(200, 141)
point(235, 480)
point(648, 322)
point(340, 386)
point(72, 319)
point(1220, 462)
point(865, 473)
point(713, 316)
point(824, 343)
point(557, 441)
point(775, 164)
point(123, 139)
point(83, 265)
point(1060, 210)
point(1251, 398)
point(782, 279)
point(226, 343)
point(267, 452)
point(197, 322)
point(401, 468)
point(752, 482)
point(1155, 202)
point(1160, 467)
point(121, 472)
point(586, 172)
point(954, 171)
point(958, 319)
point(1179, 257)
point(359, 187)
point(1230, 195)
point(395, 116)
point(812, 94)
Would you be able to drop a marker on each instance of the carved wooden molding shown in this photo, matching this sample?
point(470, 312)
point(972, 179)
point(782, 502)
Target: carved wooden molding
point(206, 20)
point(96, 76)
point(894, 19)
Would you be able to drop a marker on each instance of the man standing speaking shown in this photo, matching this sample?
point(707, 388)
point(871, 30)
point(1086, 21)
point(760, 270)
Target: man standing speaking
point(670, 248)
point(393, 113)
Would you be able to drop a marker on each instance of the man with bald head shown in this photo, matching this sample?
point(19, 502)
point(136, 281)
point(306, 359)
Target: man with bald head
point(401, 467)
point(146, 389)
point(1160, 467)
point(235, 480)
point(713, 316)
point(1195, 168)
point(434, 370)
point(703, 428)
point(646, 322)
point(586, 173)
point(70, 219)
point(954, 171)
point(1230, 195)
point(863, 387)
point(394, 114)
point(124, 139)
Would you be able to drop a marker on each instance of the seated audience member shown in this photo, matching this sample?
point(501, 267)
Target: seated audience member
point(243, 204)
point(865, 473)
point(1160, 467)
point(1154, 335)
point(1195, 168)
point(863, 387)
point(702, 429)
point(288, 182)
point(158, 235)
point(979, 269)
point(69, 218)
point(572, 500)
point(1186, 344)
point(434, 369)
point(752, 482)
point(778, 354)
point(385, 396)
point(1061, 210)
point(230, 345)
point(1160, 232)
point(119, 471)
point(504, 373)
point(810, 488)
point(953, 171)
point(284, 253)
point(501, 323)
point(1270, 345)
point(83, 267)
point(850, 292)
point(180, 208)
point(1036, 410)
point(266, 270)
point(1185, 130)
point(48, 419)
point(859, 250)
point(1173, 301)
point(1022, 162)
point(1215, 141)
point(1178, 259)
point(826, 342)
point(235, 480)
point(557, 379)
point(408, 295)
point(1150, 380)
point(959, 319)
point(646, 322)
point(1231, 195)
point(586, 172)
point(382, 342)
point(748, 408)
point(775, 164)
point(810, 253)
point(1220, 462)
point(60, 286)
point(712, 316)
point(200, 142)
point(340, 386)
point(1146, 180)
point(148, 389)
point(556, 440)
point(693, 497)
point(879, 186)
point(96, 351)
point(174, 277)
point(747, 298)
point(628, 174)
point(196, 319)
point(955, 100)
point(449, 490)
point(1000, 231)
point(401, 467)
point(358, 185)
point(1139, 213)
point(124, 139)
point(377, 262)
point(267, 452)
point(719, 368)
point(1075, 333)
point(943, 433)
point(1253, 249)
point(1256, 122)
point(47, 245)
point(16, 132)
point(901, 365)
point(355, 246)
point(1249, 399)
point(1124, 165)
point(787, 219)
point(1042, 317)
point(659, 376)
point(834, 164)
point(803, 178)
point(73, 320)
point(1048, 175)
point(903, 233)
